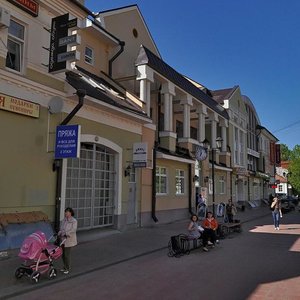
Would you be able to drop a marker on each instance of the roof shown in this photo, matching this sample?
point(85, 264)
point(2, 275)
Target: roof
point(100, 89)
point(266, 130)
point(147, 57)
point(122, 9)
point(223, 94)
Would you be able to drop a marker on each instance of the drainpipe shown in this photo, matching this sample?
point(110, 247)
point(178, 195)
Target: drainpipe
point(57, 164)
point(122, 44)
point(190, 189)
point(153, 206)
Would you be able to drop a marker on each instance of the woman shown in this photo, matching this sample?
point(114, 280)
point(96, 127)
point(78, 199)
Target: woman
point(210, 226)
point(68, 228)
point(276, 212)
point(230, 211)
point(194, 228)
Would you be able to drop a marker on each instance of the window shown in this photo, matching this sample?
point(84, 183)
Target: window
point(89, 55)
point(161, 180)
point(222, 184)
point(280, 188)
point(179, 182)
point(15, 46)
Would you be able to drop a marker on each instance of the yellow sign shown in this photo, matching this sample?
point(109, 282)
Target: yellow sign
point(19, 106)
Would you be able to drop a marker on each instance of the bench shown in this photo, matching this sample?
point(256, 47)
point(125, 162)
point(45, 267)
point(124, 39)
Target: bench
point(227, 228)
point(182, 244)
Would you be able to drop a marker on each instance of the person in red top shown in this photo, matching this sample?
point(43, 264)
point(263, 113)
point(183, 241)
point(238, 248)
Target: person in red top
point(210, 226)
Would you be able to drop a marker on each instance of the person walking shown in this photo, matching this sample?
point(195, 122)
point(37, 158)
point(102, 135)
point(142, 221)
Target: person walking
point(68, 228)
point(276, 212)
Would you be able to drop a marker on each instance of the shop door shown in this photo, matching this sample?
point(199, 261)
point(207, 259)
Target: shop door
point(90, 186)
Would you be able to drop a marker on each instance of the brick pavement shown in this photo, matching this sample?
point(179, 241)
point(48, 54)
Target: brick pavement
point(101, 249)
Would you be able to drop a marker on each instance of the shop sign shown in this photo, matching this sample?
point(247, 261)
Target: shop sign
point(241, 171)
point(67, 142)
point(262, 175)
point(19, 106)
point(30, 6)
point(60, 43)
point(139, 158)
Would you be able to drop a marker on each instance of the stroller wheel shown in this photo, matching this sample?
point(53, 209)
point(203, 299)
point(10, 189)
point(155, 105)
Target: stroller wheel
point(52, 273)
point(19, 273)
point(35, 277)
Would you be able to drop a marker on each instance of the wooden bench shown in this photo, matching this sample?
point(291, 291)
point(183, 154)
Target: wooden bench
point(228, 228)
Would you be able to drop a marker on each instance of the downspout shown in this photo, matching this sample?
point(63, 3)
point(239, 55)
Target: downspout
point(153, 206)
point(57, 164)
point(122, 44)
point(190, 189)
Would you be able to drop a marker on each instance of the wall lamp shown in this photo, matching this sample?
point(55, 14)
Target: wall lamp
point(127, 171)
point(195, 178)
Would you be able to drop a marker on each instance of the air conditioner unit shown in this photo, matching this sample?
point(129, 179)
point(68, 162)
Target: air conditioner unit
point(4, 18)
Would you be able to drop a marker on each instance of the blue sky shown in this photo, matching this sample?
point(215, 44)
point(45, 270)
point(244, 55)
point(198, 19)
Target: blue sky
point(253, 44)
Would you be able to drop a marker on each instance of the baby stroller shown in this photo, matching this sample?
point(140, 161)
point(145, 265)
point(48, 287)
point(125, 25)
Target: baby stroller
point(38, 255)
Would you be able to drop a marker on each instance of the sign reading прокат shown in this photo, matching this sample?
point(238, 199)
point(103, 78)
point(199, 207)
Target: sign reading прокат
point(67, 143)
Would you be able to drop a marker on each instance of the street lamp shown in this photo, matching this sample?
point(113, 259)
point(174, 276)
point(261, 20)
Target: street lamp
point(219, 141)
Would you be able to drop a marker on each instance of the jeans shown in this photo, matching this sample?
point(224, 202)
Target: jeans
point(276, 217)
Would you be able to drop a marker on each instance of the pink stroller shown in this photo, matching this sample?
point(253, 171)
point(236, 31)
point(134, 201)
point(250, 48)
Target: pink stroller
point(38, 255)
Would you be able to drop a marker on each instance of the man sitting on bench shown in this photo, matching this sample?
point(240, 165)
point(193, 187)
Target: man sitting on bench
point(210, 226)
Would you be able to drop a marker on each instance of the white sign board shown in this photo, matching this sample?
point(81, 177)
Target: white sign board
point(139, 157)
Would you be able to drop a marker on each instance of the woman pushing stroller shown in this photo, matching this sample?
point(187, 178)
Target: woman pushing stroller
point(68, 228)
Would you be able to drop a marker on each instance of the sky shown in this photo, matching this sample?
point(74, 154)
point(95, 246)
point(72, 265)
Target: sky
point(222, 43)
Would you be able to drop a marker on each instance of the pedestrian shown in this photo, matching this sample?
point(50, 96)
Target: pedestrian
point(68, 228)
point(210, 226)
point(276, 212)
point(230, 211)
point(194, 228)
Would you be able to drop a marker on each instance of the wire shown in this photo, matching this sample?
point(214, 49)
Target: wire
point(287, 127)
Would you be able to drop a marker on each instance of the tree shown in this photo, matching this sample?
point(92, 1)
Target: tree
point(285, 152)
point(294, 169)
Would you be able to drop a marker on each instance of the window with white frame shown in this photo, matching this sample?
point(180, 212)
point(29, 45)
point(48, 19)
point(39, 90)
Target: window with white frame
point(222, 184)
point(280, 188)
point(89, 55)
point(161, 180)
point(179, 182)
point(15, 46)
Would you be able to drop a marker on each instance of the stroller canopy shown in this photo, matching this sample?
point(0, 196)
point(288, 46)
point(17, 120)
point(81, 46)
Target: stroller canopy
point(33, 245)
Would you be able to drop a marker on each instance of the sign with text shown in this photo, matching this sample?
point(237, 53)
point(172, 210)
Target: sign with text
point(30, 6)
point(67, 143)
point(139, 158)
point(19, 106)
point(60, 43)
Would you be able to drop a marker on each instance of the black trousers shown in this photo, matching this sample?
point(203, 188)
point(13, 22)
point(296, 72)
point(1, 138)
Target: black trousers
point(209, 234)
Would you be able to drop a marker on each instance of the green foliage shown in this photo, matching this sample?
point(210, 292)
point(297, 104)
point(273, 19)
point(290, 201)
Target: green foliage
point(285, 152)
point(294, 166)
point(294, 175)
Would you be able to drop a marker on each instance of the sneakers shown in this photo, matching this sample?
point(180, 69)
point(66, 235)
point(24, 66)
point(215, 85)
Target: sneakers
point(209, 243)
point(66, 272)
point(277, 228)
point(205, 249)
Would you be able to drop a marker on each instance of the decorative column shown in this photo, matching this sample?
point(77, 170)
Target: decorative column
point(145, 76)
point(187, 103)
point(224, 137)
point(202, 111)
point(168, 90)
